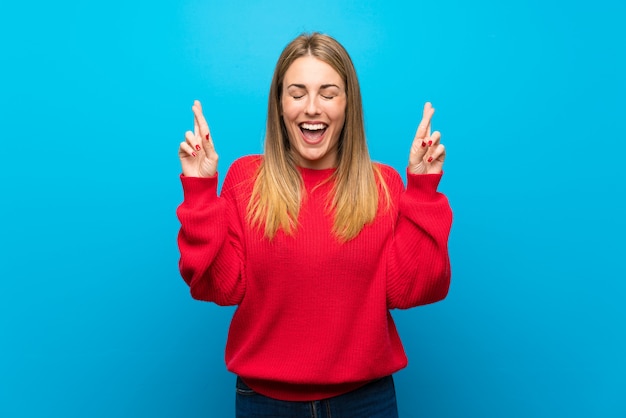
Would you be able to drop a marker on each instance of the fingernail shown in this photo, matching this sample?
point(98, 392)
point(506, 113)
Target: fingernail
point(430, 159)
point(197, 147)
point(207, 137)
point(423, 144)
point(430, 143)
point(193, 153)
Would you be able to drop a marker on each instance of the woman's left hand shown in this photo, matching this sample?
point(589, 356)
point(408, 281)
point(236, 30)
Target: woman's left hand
point(427, 152)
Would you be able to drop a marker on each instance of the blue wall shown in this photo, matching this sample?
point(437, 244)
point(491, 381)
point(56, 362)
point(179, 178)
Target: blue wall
point(95, 98)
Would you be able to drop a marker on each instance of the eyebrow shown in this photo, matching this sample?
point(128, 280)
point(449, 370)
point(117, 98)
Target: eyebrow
point(323, 86)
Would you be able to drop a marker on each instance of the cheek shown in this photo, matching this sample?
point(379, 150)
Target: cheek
point(289, 123)
point(291, 129)
point(288, 116)
point(338, 113)
point(289, 110)
point(340, 119)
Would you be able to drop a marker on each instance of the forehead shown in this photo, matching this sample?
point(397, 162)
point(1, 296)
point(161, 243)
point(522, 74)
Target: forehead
point(309, 70)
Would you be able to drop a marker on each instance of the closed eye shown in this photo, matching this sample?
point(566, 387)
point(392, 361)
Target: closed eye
point(329, 91)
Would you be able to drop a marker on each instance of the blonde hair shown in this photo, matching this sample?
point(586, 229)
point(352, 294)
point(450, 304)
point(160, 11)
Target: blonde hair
point(278, 188)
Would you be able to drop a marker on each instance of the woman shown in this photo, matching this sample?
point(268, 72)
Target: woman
point(314, 243)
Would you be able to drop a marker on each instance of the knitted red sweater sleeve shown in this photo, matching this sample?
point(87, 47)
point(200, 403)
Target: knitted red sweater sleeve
point(418, 270)
point(209, 243)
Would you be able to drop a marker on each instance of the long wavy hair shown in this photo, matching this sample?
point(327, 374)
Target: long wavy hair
point(278, 188)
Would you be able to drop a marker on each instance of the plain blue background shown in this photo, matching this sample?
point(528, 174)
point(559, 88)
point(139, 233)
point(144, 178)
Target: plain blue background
point(96, 96)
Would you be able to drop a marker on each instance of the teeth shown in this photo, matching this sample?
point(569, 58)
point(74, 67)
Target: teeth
point(313, 127)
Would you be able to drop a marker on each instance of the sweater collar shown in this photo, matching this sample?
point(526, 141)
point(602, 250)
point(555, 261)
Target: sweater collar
point(312, 176)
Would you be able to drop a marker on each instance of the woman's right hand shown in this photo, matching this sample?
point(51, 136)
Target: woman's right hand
point(197, 153)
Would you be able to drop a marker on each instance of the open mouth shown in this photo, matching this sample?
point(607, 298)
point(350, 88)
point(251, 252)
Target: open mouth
point(313, 132)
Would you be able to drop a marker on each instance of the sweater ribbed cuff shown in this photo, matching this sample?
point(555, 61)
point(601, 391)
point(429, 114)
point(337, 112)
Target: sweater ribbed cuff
point(199, 188)
point(423, 185)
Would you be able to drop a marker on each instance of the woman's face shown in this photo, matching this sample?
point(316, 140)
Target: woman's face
point(313, 110)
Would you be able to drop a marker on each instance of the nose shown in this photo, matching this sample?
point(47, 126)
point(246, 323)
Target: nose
point(312, 105)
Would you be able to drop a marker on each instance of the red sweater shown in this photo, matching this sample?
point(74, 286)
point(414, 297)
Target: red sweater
point(313, 315)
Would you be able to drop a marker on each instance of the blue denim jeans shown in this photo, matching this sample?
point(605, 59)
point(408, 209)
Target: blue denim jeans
point(374, 400)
